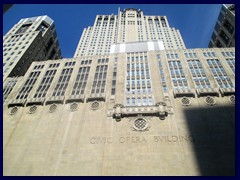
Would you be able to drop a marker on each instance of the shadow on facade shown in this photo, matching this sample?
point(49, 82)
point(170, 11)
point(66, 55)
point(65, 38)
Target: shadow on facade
point(214, 131)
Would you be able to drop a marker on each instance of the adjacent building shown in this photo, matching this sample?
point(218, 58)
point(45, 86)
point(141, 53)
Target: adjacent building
point(138, 107)
point(31, 39)
point(224, 31)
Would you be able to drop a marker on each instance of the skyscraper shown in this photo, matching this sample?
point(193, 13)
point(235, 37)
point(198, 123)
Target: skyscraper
point(31, 39)
point(130, 25)
point(224, 31)
point(137, 108)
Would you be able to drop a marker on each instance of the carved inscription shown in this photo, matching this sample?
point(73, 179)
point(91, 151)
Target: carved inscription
point(142, 139)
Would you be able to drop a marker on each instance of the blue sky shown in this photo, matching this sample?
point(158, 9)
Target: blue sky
point(195, 21)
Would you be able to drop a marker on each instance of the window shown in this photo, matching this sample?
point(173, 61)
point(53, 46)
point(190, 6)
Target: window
point(199, 77)
point(80, 81)
point(45, 84)
point(231, 63)
point(138, 78)
point(219, 73)
point(164, 86)
point(62, 82)
point(99, 82)
point(28, 85)
point(177, 75)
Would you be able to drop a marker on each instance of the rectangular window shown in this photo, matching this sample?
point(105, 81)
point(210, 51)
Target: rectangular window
point(62, 82)
point(219, 73)
point(45, 84)
point(177, 73)
point(99, 82)
point(81, 81)
point(138, 79)
point(28, 85)
point(199, 77)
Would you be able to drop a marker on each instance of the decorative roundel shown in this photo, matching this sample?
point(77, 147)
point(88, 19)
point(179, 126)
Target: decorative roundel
point(210, 100)
point(140, 124)
point(13, 110)
point(232, 99)
point(32, 109)
point(95, 105)
point(52, 108)
point(185, 101)
point(74, 106)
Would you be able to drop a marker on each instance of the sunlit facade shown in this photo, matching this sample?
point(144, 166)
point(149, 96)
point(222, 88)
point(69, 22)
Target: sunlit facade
point(141, 108)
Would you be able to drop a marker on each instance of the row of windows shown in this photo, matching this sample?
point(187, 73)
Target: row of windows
point(63, 82)
point(139, 101)
point(86, 62)
point(209, 54)
point(54, 65)
point(177, 75)
point(38, 67)
point(81, 81)
point(71, 63)
point(172, 56)
point(99, 82)
point(28, 85)
point(231, 63)
point(104, 60)
point(137, 67)
point(45, 84)
point(9, 86)
point(190, 55)
point(163, 80)
point(113, 90)
point(198, 74)
point(219, 73)
point(228, 54)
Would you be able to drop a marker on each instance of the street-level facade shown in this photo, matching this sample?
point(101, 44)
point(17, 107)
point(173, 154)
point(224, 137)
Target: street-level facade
point(154, 112)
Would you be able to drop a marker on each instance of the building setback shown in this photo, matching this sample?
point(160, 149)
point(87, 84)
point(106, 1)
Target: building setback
point(140, 109)
point(130, 25)
point(224, 31)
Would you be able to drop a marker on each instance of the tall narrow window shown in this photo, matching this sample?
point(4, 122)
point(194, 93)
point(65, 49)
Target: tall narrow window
point(99, 82)
point(138, 80)
point(28, 85)
point(45, 84)
point(81, 81)
point(219, 73)
point(63, 82)
point(199, 77)
point(231, 63)
point(113, 91)
point(164, 85)
point(179, 80)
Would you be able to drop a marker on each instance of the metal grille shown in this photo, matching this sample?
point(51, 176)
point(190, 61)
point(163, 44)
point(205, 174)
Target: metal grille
point(95, 105)
point(210, 100)
point(185, 101)
point(52, 108)
point(32, 109)
point(232, 99)
point(140, 124)
point(13, 110)
point(73, 106)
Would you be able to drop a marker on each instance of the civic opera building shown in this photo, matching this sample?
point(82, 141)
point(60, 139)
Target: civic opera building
point(132, 101)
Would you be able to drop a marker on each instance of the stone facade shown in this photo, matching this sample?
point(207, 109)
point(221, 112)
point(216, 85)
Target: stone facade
point(130, 25)
point(187, 130)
